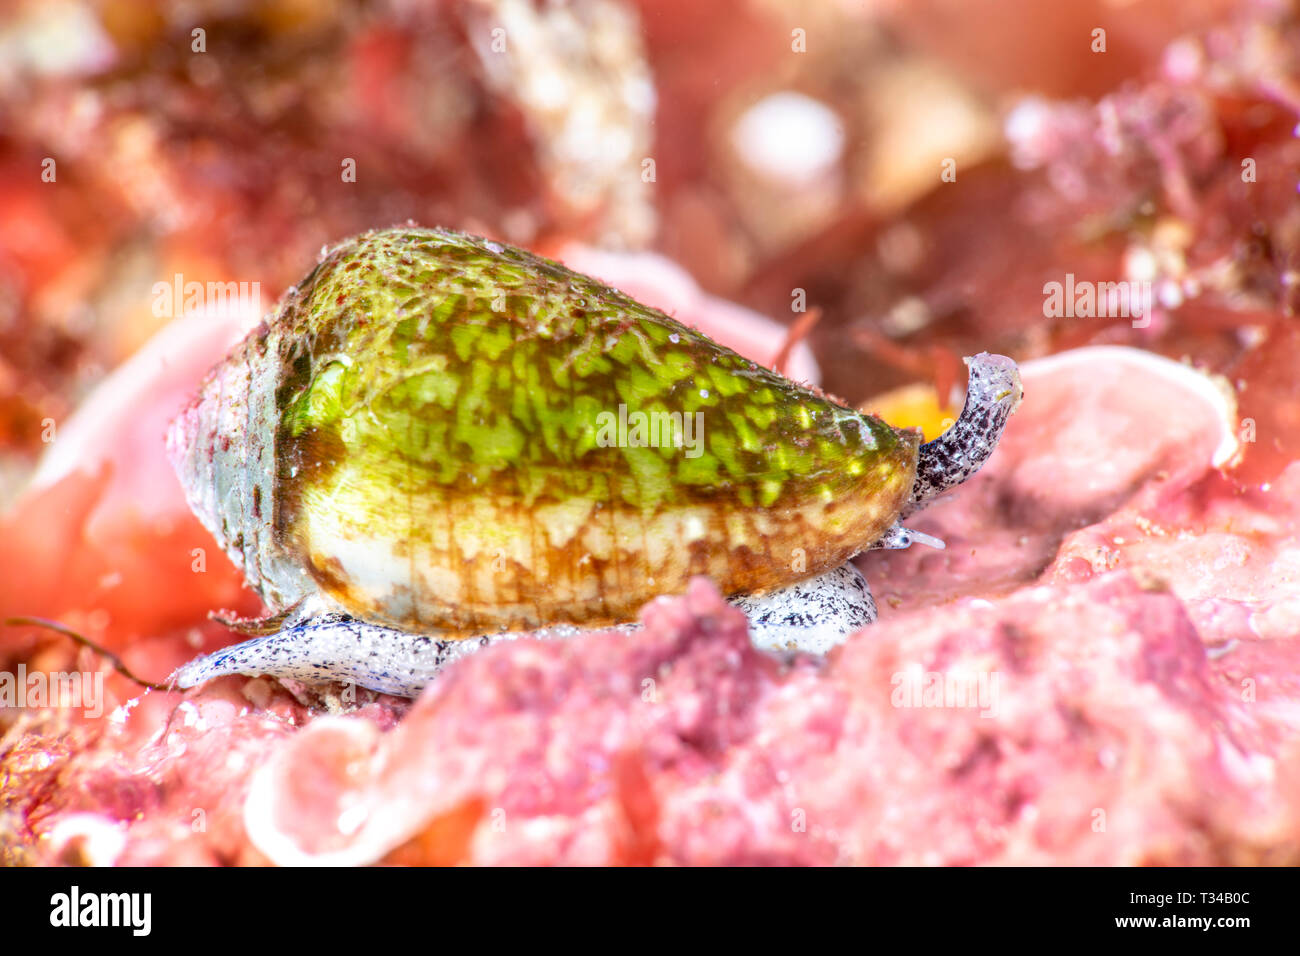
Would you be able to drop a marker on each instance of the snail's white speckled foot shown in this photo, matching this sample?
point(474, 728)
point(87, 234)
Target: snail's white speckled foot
point(812, 616)
point(335, 647)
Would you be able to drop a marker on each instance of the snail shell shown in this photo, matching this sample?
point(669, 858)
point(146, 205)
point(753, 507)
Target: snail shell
point(435, 433)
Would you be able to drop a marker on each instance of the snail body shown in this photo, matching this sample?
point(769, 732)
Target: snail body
point(438, 438)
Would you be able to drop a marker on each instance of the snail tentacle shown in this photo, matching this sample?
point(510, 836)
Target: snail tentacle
point(898, 538)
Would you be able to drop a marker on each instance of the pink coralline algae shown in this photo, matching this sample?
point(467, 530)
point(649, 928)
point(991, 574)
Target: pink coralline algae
point(1102, 668)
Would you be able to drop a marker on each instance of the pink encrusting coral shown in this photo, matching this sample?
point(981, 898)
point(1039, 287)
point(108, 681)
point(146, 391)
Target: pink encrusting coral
point(1102, 668)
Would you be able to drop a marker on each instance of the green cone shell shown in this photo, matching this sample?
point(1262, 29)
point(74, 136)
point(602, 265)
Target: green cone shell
point(439, 432)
